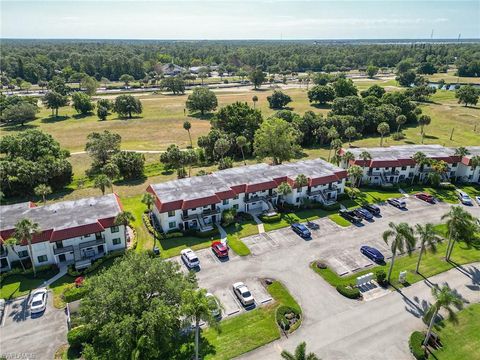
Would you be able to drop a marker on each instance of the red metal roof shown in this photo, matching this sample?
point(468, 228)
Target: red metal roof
point(323, 180)
point(209, 200)
point(228, 194)
point(76, 231)
point(261, 186)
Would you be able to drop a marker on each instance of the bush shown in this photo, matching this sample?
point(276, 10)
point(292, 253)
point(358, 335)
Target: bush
point(332, 207)
point(447, 186)
point(228, 217)
point(202, 234)
point(95, 265)
point(381, 277)
point(281, 318)
point(73, 293)
point(349, 292)
point(78, 336)
point(416, 345)
point(398, 136)
point(271, 218)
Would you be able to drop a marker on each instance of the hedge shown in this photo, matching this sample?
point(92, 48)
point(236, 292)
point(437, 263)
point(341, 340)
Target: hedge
point(416, 345)
point(349, 292)
point(282, 321)
point(271, 218)
point(48, 270)
point(95, 265)
point(78, 336)
point(73, 293)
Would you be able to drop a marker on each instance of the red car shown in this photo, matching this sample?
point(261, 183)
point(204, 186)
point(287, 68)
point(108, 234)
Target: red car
point(220, 249)
point(426, 197)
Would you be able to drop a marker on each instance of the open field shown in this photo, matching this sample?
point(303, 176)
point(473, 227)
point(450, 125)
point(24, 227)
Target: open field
point(450, 77)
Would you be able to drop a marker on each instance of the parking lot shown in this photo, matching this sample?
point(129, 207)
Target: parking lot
point(27, 336)
point(208, 260)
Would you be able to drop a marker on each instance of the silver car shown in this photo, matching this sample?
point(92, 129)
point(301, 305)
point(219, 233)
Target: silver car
point(38, 302)
point(243, 294)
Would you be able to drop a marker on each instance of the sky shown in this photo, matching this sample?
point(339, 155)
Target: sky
point(240, 19)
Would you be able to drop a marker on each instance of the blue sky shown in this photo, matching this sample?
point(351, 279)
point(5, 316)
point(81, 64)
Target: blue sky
point(246, 19)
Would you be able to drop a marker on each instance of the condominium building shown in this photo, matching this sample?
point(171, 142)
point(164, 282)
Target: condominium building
point(197, 202)
point(71, 232)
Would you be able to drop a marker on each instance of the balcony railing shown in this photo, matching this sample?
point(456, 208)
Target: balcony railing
point(63, 250)
point(261, 197)
point(97, 242)
point(3, 252)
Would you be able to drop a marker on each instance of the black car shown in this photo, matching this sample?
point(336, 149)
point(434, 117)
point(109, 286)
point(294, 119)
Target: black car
point(372, 254)
point(363, 213)
point(301, 230)
point(373, 209)
point(350, 216)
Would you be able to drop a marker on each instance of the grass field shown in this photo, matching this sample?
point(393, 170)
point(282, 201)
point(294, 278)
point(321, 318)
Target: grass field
point(18, 285)
point(451, 78)
point(461, 340)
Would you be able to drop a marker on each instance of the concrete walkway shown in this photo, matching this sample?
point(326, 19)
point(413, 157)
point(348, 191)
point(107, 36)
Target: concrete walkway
point(223, 233)
point(62, 272)
point(261, 228)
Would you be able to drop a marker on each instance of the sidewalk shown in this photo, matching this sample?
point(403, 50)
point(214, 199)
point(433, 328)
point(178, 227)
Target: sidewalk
point(261, 228)
point(62, 272)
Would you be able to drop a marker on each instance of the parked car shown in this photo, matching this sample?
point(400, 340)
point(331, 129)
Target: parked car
point(374, 209)
point(301, 230)
point(243, 294)
point(214, 305)
point(312, 225)
point(38, 302)
point(425, 197)
point(372, 254)
point(397, 202)
point(477, 199)
point(464, 198)
point(350, 216)
point(363, 213)
point(190, 258)
point(220, 249)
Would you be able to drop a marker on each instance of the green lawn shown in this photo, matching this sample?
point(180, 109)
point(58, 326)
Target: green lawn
point(462, 340)
point(295, 216)
point(172, 247)
point(444, 195)
point(337, 219)
point(250, 330)
point(471, 190)
point(431, 264)
point(17, 285)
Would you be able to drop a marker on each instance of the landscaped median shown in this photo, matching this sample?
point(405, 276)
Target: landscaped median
point(246, 332)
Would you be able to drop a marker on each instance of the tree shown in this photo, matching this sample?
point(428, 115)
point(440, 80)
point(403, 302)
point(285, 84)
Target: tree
point(102, 146)
point(277, 139)
point(426, 68)
point(149, 200)
point(102, 182)
point(189, 158)
point(348, 105)
point(126, 79)
point(283, 190)
point(43, 190)
point(197, 307)
point(174, 84)
point(300, 354)
point(350, 133)
point(445, 298)
point(257, 77)
point(403, 237)
point(255, 100)
point(131, 165)
point(58, 85)
point(374, 90)
point(383, 128)
point(187, 125)
point(321, 94)
point(102, 113)
point(203, 73)
point(278, 100)
point(344, 87)
point(347, 157)
point(11, 243)
point(461, 151)
point(300, 181)
point(82, 103)
point(202, 99)
point(53, 100)
point(423, 121)
point(355, 173)
point(107, 104)
point(150, 327)
point(172, 158)
point(124, 218)
point(428, 238)
point(467, 95)
point(406, 78)
point(332, 135)
point(111, 170)
point(127, 105)
point(400, 120)
point(372, 71)
point(24, 231)
point(242, 143)
point(89, 84)
point(460, 227)
point(221, 147)
point(19, 113)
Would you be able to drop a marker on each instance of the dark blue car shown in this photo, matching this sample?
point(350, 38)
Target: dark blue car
point(301, 230)
point(372, 254)
point(372, 208)
point(363, 213)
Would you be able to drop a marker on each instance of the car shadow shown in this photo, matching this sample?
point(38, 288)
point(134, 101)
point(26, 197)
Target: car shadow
point(359, 225)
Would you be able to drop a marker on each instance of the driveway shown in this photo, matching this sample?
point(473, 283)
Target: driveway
point(27, 336)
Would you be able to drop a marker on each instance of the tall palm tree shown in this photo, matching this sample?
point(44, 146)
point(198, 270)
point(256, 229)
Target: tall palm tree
point(336, 159)
point(336, 145)
point(11, 243)
point(400, 120)
point(347, 157)
point(254, 99)
point(187, 125)
point(445, 298)
point(460, 226)
point(474, 163)
point(198, 308)
point(43, 190)
point(424, 120)
point(102, 182)
point(403, 237)
point(283, 190)
point(366, 157)
point(332, 134)
point(428, 238)
point(148, 199)
point(124, 218)
point(355, 174)
point(24, 231)
point(300, 353)
point(242, 143)
point(461, 151)
point(383, 128)
point(300, 181)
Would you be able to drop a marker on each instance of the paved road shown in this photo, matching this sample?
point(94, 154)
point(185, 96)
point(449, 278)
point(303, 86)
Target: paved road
point(333, 326)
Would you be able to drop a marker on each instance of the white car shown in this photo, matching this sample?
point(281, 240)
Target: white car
point(464, 198)
point(243, 294)
point(397, 202)
point(477, 199)
point(38, 302)
point(190, 258)
point(214, 305)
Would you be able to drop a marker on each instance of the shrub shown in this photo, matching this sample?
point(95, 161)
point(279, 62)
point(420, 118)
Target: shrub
point(281, 318)
point(398, 136)
point(202, 234)
point(332, 207)
point(349, 292)
point(78, 336)
point(416, 345)
point(321, 265)
point(271, 218)
point(447, 186)
point(381, 277)
point(95, 265)
point(228, 217)
point(73, 293)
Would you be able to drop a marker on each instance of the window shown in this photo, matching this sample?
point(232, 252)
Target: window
point(114, 229)
point(116, 241)
point(23, 254)
point(172, 224)
point(59, 244)
point(454, 165)
point(297, 200)
point(225, 202)
point(42, 258)
point(193, 209)
point(404, 168)
point(171, 213)
point(236, 197)
point(235, 206)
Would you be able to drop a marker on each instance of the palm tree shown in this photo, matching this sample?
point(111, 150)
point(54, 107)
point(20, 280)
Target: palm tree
point(383, 128)
point(355, 174)
point(445, 298)
point(366, 157)
point(283, 190)
point(221, 147)
point(347, 157)
point(124, 218)
point(474, 163)
point(300, 353)
point(350, 132)
point(332, 135)
point(421, 160)
point(242, 143)
point(112, 171)
point(460, 226)
point(198, 308)
point(12, 242)
point(428, 238)
point(403, 237)
point(301, 181)
point(148, 199)
point(187, 126)
point(423, 121)
point(400, 120)
point(254, 99)
point(43, 190)
point(24, 231)
point(102, 182)
point(336, 159)
point(335, 145)
point(461, 151)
